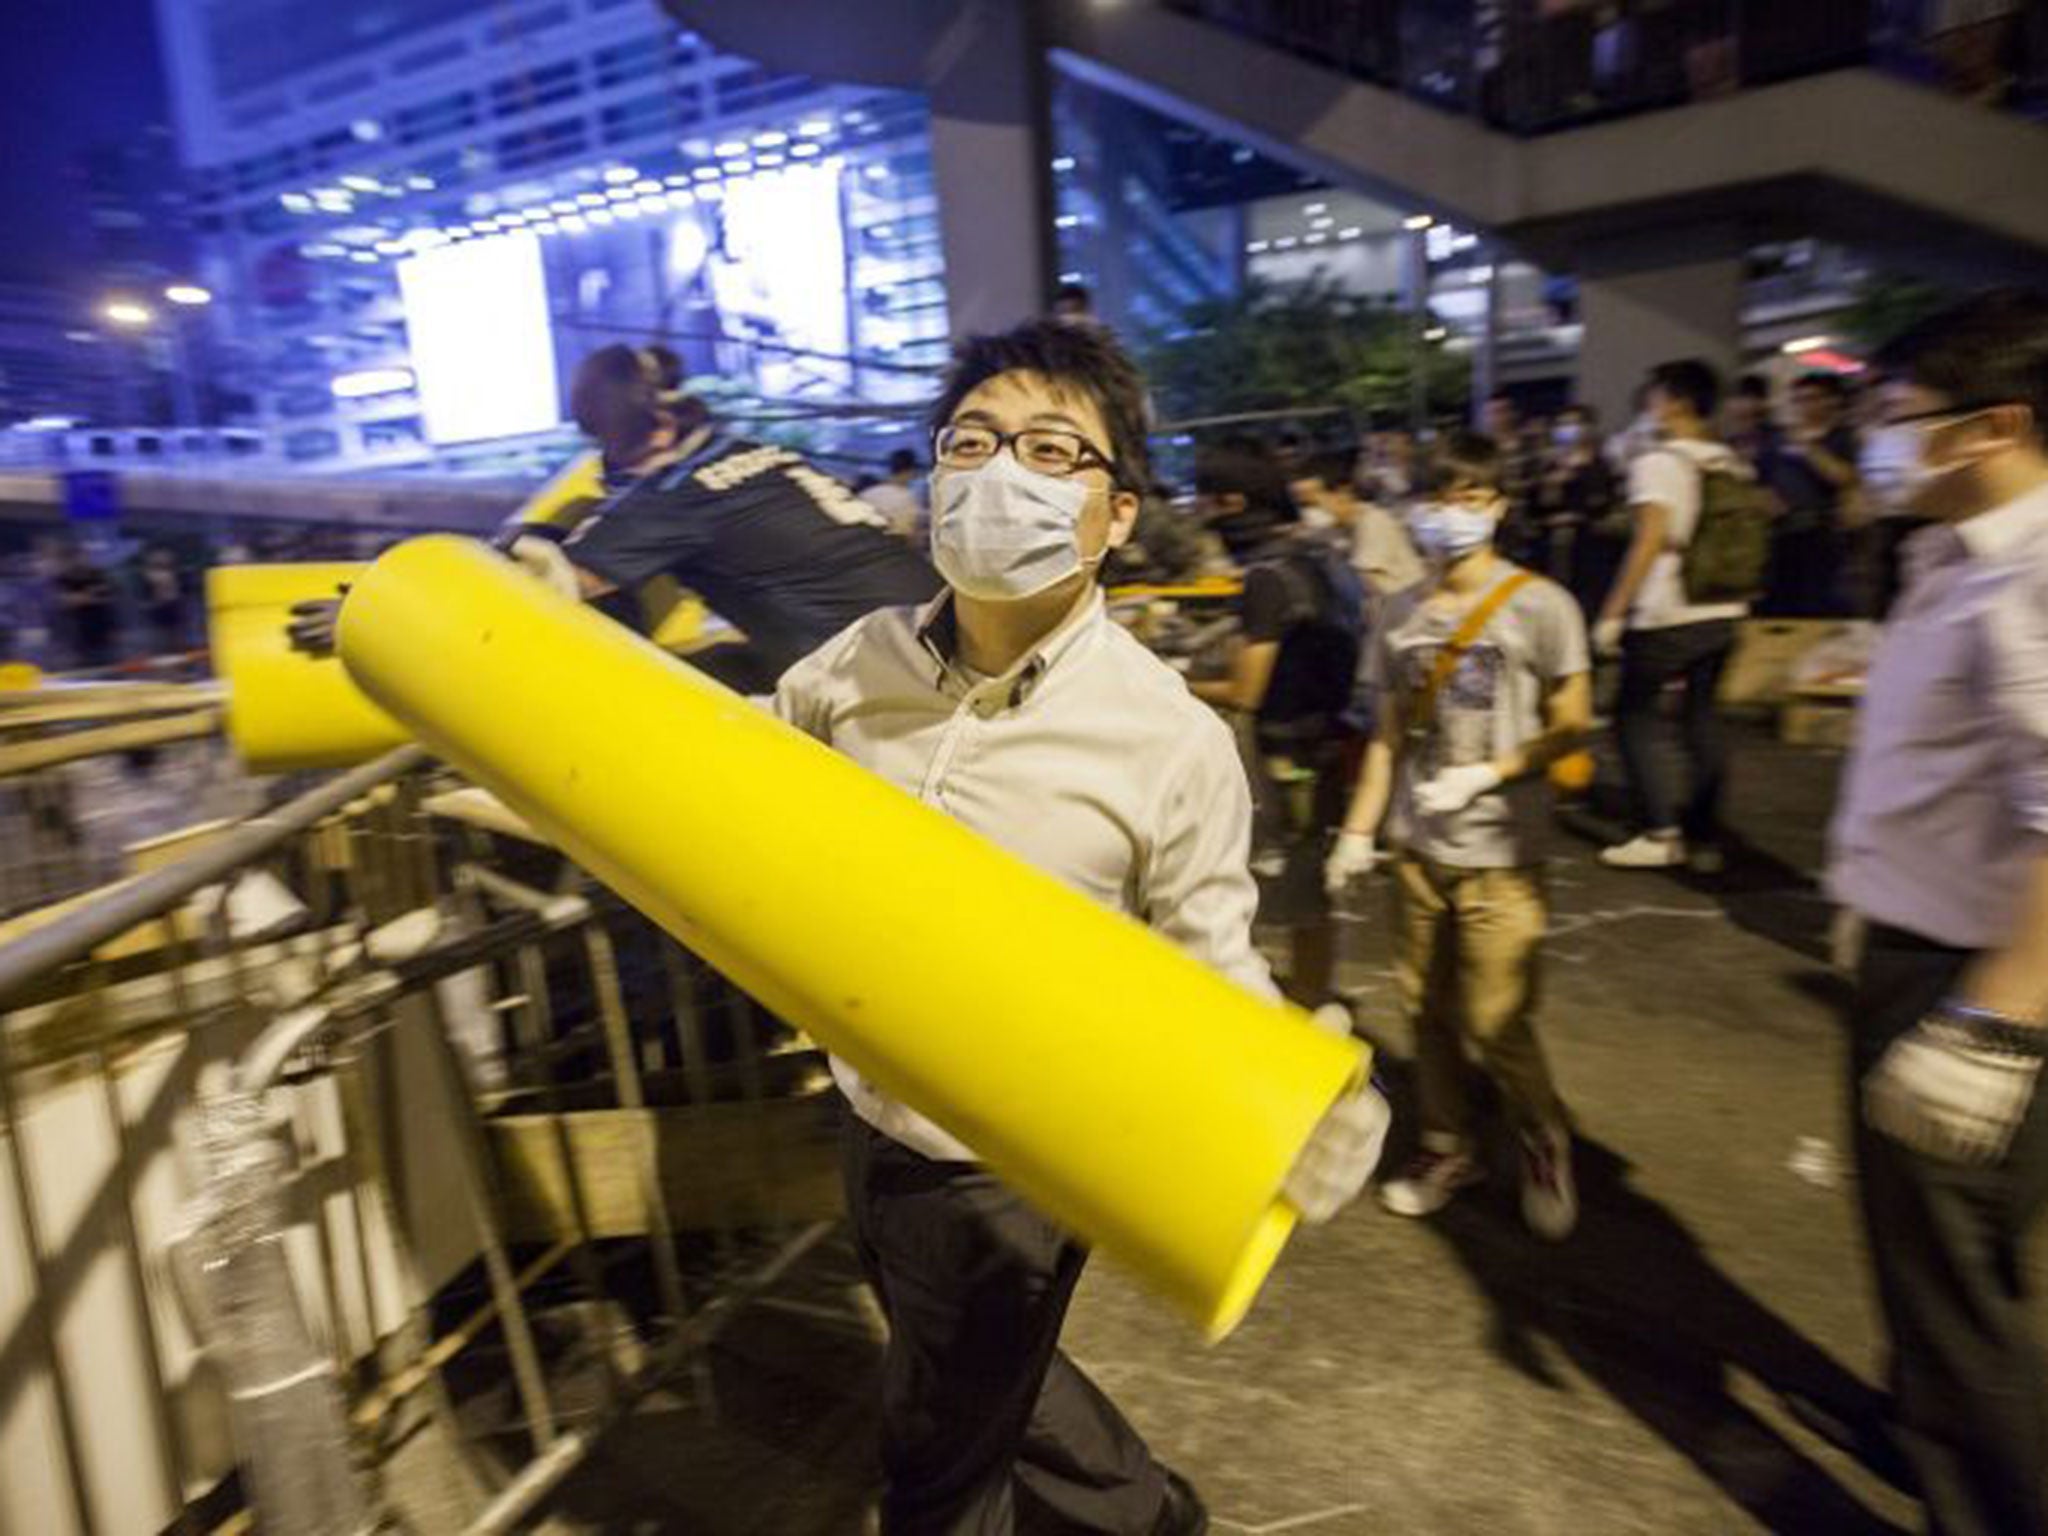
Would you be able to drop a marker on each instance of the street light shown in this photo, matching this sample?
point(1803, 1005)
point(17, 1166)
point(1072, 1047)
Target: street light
point(128, 313)
point(189, 294)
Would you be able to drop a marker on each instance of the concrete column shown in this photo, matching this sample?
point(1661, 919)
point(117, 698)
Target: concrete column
point(1649, 300)
point(991, 160)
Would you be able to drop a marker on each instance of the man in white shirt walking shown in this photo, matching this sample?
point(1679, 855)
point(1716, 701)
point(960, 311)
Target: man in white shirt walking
point(1014, 704)
point(1662, 637)
point(1940, 847)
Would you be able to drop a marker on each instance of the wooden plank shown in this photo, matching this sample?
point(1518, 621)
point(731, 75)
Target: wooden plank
point(94, 741)
point(721, 1165)
point(480, 808)
point(103, 701)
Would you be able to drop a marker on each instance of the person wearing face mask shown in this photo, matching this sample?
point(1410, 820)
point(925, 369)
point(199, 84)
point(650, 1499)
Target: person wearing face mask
point(1013, 703)
point(1939, 849)
point(1292, 683)
point(1484, 682)
point(1380, 549)
point(1577, 501)
point(1662, 633)
point(1889, 462)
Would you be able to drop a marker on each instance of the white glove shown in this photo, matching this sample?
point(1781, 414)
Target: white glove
point(1354, 855)
point(1945, 1094)
point(543, 559)
point(1333, 1168)
point(1455, 788)
point(1607, 637)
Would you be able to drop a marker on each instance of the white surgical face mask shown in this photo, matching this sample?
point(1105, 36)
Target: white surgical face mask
point(1004, 532)
point(1890, 465)
point(1905, 454)
point(1446, 532)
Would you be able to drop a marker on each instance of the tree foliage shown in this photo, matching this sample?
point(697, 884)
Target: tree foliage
point(1299, 346)
point(1887, 307)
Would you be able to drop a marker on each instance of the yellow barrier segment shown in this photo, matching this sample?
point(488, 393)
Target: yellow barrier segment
point(1132, 1094)
point(286, 710)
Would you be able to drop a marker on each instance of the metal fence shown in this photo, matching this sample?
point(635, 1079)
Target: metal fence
point(358, 1101)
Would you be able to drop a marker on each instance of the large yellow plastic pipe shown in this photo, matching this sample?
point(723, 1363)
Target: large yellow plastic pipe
point(1132, 1094)
point(286, 710)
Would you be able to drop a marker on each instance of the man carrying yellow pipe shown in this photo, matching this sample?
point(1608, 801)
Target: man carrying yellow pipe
point(1012, 703)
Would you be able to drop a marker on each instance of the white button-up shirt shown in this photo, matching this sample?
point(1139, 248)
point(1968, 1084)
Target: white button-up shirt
point(1945, 806)
point(1089, 759)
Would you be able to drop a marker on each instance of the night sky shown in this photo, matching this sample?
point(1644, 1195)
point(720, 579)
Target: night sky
point(73, 73)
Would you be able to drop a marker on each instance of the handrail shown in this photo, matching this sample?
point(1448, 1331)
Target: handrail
point(79, 932)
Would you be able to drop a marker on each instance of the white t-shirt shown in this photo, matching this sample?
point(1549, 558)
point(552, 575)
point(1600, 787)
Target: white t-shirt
point(1383, 554)
point(1669, 475)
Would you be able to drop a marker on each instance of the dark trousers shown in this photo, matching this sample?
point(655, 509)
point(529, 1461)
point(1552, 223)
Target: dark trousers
point(977, 1400)
point(1651, 660)
point(1808, 575)
point(1969, 1379)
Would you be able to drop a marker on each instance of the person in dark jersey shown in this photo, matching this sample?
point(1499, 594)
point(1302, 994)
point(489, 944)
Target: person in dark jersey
point(774, 545)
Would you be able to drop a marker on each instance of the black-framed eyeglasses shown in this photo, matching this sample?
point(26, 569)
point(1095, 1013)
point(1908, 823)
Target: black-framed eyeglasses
point(1048, 450)
point(1949, 413)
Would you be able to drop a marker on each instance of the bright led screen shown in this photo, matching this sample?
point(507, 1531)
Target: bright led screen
point(476, 317)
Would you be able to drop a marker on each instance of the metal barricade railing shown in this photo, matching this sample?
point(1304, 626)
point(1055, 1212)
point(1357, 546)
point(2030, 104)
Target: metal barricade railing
point(464, 1082)
point(83, 768)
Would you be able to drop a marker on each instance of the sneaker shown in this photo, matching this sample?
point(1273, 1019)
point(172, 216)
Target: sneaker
point(1429, 1181)
point(1181, 1512)
point(1270, 865)
point(1645, 852)
point(1706, 859)
point(1550, 1201)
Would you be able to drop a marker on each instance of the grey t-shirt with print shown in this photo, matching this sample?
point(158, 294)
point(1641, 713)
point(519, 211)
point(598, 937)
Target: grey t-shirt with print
point(1490, 706)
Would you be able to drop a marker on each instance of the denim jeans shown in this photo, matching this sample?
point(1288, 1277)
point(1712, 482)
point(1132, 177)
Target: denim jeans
point(1651, 660)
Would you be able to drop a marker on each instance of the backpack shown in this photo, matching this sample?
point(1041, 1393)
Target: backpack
point(1730, 551)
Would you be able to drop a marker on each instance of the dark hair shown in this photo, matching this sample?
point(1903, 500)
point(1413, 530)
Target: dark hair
point(1989, 350)
point(1073, 293)
point(1464, 457)
point(1693, 381)
point(1753, 386)
point(666, 366)
point(1334, 467)
point(620, 394)
point(1244, 466)
point(902, 461)
point(1081, 359)
point(1833, 385)
point(1586, 413)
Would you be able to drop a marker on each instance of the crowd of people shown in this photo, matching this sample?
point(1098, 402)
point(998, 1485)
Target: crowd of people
point(1410, 688)
point(1410, 685)
point(1819, 448)
point(72, 604)
point(1542, 550)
